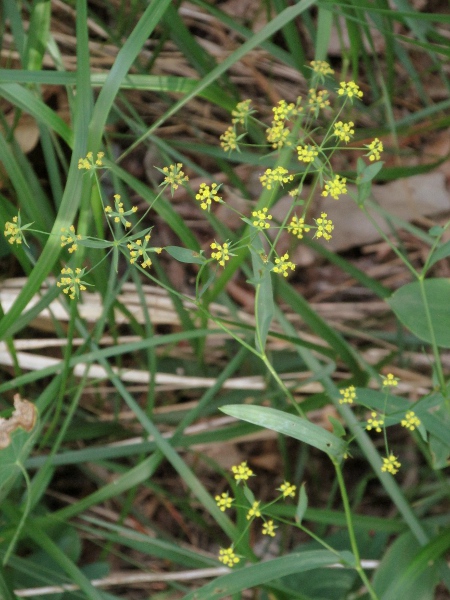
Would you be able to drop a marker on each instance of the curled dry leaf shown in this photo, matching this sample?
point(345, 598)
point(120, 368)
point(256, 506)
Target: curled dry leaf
point(24, 416)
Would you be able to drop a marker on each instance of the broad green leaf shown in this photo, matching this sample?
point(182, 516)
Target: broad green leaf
point(185, 255)
point(408, 303)
point(264, 572)
point(290, 425)
point(264, 309)
point(441, 252)
point(302, 504)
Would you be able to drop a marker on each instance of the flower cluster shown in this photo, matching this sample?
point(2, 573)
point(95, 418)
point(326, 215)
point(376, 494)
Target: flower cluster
point(321, 67)
point(307, 153)
point(14, 230)
point(241, 112)
point(228, 557)
point(261, 218)
point(254, 511)
point(317, 100)
point(390, 465)
point(283, 264)
point(71, 282)
point(297, 227)
point(344, 131)
point(274, 176)
point(120, 213)
point(224, 501)
point(375, 149)
point(390, 380)
point(241, 472)
point(375, 422)
point(221, 254)
point(348, 395)
point(229, 140)
point(287, 489)
point(138, 249)
point(88, 163)
point(69, 238)
point(349, 89)
point(324, 227)
point(174, 176)
point(206, 194)
point(335, 188)
point(411, 421)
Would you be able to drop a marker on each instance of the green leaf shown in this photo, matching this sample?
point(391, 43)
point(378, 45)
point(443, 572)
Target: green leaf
point(256, 575)
point(291, 425)
point(302, 504)
point(441, 252)
point(423, 307)
point(185, 255)
point(264, 309)
point(90, 243)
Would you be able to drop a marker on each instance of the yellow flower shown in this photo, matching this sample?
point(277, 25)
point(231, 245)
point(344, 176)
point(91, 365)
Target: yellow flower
point(349, 89)
point(206, 194)
point(287, 489)
point(174, 176)
point(348, 395)
point(344, 131)
point(284, 111)
point(261, 218)
point(120, 213)
point(89, 163)
point(375, 148)
point(307, 153)
point(228, 140)
point(321, 67)
point(269, 528)
point(277, 175)
point(254, 511)
point(282, 265)
point(317, 100)
point(324, 227)
point(335, 188)
point(241, 113)
point(241, 472)
point(278, 135)
point(14, 230)
point(410, 421)
point(224, 501)
point(375, 422)
point(138, 249)
point(221, 253)
point(69, 238)
point(390, 465)
point(297, 227)
point(390, 380)
point(71, 282)
point(228, 557)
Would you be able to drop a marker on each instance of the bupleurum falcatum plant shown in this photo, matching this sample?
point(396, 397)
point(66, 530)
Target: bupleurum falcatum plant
point(296, 129)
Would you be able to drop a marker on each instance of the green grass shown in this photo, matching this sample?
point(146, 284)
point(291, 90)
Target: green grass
point(77, 493)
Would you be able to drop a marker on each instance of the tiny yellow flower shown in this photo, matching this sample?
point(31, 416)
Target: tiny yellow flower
point(287, 489)
point(282, 265)
point(375, 149)
point(390, 465)
point(324, 227)
point(228, 557)
point(284, 111)
point(335, 188)
point(344, 131)
point(254, 512)
point(241, 113)
point(120, 213)
point(139, 250)
point(69, 238)
point(269, 528)
point(206, 194)
point(348, 395)
point(317, 100)
point(14, 231)
point(277, 175)
point(89, 163)
point(349, 89)
point(174, 176)
point(241, 472)
point(221, 253)
point(321, 67)
point(307, 153)
point(71, 282)
point(228, 140)
point(375, 422)
point(224, 501)
point(297, 227)
point(261, 218)
point(390, 380)
point(411, 421)
point(278, 135)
